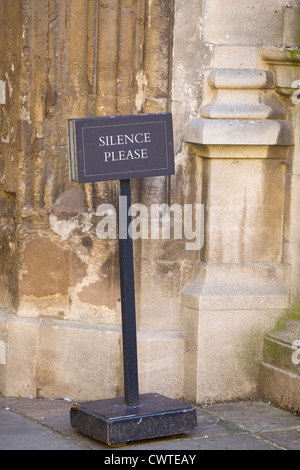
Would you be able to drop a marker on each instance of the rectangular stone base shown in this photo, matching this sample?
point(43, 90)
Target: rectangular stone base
point(112, 422)
point(280, 387)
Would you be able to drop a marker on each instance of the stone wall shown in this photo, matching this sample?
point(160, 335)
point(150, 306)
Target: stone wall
point(59, 280)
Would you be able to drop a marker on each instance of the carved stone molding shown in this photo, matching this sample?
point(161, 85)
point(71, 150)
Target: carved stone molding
point(285, 63)
point(244, 110)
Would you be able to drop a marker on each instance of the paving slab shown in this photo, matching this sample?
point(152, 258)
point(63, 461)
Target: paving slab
point(256, 416)
point(225, 442)
point(42, 424)
point(288, 439)
point(19, 433)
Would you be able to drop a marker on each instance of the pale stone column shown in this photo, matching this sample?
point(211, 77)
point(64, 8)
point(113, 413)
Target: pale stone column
point(243, 138)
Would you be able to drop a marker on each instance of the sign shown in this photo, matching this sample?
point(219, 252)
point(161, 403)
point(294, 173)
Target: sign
point(121, 147)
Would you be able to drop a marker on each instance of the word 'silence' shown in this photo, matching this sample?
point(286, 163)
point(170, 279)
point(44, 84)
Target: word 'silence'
point(124, 139)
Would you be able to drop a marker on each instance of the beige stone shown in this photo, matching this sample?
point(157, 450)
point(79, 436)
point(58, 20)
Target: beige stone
point(99, 293)
point(161, 356)
point(291, 31)
point(249, 227)
point(80, 370)
point(235, 56)
point(22, 352)
point(237, 286)
point(87, 359)
point(285, 62)
point(46, 269)
point(241, 79)
point(69, 204)
point(237, 24)
point(280, 387)
point(234, 132)
point(231, 341)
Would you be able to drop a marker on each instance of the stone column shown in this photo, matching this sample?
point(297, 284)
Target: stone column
point(244, 138)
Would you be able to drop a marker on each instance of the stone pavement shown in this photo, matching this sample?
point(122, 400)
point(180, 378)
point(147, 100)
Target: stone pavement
point(42, 424)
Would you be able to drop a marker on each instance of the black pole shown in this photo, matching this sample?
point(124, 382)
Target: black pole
point(130, 362)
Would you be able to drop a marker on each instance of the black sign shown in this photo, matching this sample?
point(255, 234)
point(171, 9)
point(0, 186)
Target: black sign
point(121, 147)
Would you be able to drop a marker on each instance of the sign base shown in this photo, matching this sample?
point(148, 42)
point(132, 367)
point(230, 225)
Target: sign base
point(112, 422)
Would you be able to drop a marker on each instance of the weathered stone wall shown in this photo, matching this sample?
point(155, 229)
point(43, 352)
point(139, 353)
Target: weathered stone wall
point(10, 57)
point(65, 60)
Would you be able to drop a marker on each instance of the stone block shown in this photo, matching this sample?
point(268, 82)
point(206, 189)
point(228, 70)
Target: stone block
point(243, 94)
point(291, 27)
point(22, 351)
point(10, 169)
point(3, 353)
point(2, 92)
point(248, 226)
point(236, 286)
point(57, 359)
point(69, 204)
point(239, 132)
point(235, 57)
point(161, 361)
point(280, 387)
point(223, 350)
point(285, 63)
point(78, 361)
point(54, 358)
point(236, 24)
point(241, 79)
point(24, 134)
point(226, 310)
point(46, 269)
point(280, 367)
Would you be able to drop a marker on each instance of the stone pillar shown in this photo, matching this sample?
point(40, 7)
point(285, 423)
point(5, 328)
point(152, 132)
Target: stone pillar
point(244, 138)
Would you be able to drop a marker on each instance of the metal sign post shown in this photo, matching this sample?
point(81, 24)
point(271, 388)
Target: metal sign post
point(130, 363)
point(132, 417)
